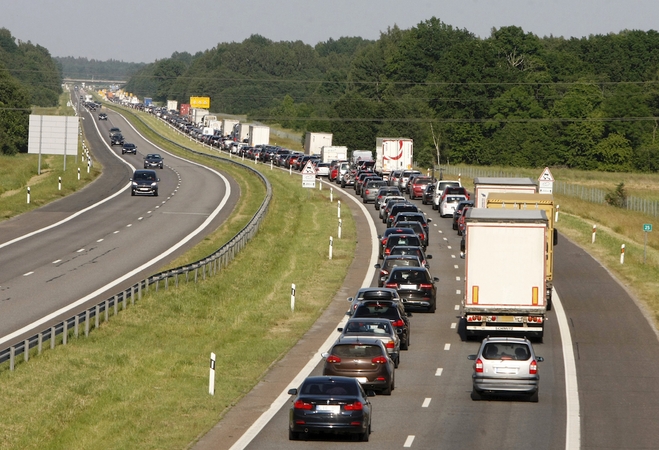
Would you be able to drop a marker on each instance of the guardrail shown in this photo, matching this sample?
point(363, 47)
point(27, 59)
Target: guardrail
point(589, 194)
point(203, 268)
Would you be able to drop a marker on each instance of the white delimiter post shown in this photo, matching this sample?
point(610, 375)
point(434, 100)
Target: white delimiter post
point(331, 194)
point(340, 223)
point(622, 254)
point(556, 218)
point(28, 194)
point(594, 233)
point(211, 380)
point(292, 297)
point(339, 209)
point(331, 245)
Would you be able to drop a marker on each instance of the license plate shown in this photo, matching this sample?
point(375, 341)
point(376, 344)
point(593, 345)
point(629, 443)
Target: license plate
point(505, 318)
point(334, 409)
point(504, 328)
point(362, 380)
point(506, 370)
point(408, 286)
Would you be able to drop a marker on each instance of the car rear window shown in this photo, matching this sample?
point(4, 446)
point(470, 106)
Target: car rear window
point(355, 327)
point(403, 262)
point(403, 240)
point(409, 276)
point(329, 388)
point(356, 351)
point(374, 310)
point(506, 351)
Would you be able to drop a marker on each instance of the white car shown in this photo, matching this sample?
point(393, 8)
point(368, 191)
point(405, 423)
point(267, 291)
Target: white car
point(448, 205)
point(322, 169)
point(439, 190)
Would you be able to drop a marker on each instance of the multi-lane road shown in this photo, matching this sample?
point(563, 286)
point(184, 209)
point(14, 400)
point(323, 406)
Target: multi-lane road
point(611, 403)
point(90, 245)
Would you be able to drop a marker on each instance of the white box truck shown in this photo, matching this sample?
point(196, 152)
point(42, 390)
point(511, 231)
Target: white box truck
point(505, 272)
point(485, 185)
point(329, 153)
point(393, 154)
point(313, 142)
point(241, 132)
point(172, 105)
point(259, 135)
point(197, 115)
point(227, 126)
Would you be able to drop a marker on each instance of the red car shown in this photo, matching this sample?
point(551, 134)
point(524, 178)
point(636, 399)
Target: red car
point(418, 186)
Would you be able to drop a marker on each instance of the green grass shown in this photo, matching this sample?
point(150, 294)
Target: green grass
point(141, 381)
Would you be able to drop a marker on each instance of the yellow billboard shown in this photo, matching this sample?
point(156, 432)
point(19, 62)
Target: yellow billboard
point(200, 102)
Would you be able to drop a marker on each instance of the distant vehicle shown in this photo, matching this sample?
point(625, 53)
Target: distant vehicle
point(153, 160)
point(144, 182)
point(392, 261)
point(114, 130)
point(129, 147)
point(102, 116)
point(449, 203)
point(505, 365)
point(439, 190)
point(330, 404)
point(116, 139)
point(415, 286)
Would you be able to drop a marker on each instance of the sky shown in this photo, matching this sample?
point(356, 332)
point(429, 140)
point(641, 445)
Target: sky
point(148, 30)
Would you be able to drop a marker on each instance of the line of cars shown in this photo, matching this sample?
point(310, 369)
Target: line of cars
point(501, 364)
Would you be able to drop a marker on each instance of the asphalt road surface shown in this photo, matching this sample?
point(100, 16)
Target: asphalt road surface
point(85, 256)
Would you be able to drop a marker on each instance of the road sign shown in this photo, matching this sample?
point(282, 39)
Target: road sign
point(546, 182)
point(309, 176)
point(546, 175)
point(647, 227)
point(309, 169)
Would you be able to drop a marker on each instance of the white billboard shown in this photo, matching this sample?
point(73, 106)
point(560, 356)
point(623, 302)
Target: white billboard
point(53, 135)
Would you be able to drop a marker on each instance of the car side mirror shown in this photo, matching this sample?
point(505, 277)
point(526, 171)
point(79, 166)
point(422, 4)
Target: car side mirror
point(292, 391)
point(324, 354)
point(435, 278)
point(350, 299)
point(539, 358)
point(339, 329)
point(377, 266)
point(471, 357)
point(428, 256)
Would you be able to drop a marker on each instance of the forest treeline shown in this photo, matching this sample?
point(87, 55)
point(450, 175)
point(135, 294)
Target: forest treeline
point(94, 69)
point(29, 76)
point(510, 99)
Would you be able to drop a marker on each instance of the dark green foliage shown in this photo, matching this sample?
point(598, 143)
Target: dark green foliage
point(617, 197)
point(510, 99)
point(93, 69)
point(14, 114)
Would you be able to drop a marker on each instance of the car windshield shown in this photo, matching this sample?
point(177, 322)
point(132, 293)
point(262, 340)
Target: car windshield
point(144, 176)
point(356, 351)
point(409, 276)
point(154, 156)
point(319, 387)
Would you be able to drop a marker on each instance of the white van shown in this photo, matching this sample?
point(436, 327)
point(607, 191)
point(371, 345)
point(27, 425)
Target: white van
point(439, 190)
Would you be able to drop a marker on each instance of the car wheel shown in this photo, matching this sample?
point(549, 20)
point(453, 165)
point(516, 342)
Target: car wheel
point(534, 397)
point(431, 309)
point(366, 434)
point(455, 226)
point(475, 395)
point(292, 435)
point(155, 193)
point(434, 206)
point(343, 185)
point(459, 232)
point(132, 193)
point(404, 345)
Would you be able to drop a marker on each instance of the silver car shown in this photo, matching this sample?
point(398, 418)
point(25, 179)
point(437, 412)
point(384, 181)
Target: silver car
point(505, 365)
point(375, 328)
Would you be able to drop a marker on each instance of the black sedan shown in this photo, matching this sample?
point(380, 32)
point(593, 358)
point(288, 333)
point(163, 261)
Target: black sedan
point(144, 182)
point(415, 286)
point(128, 147)
point(330, 404)
point(153, 160)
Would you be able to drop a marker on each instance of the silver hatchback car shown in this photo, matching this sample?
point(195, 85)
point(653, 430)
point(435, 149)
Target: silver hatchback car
point(505, 365)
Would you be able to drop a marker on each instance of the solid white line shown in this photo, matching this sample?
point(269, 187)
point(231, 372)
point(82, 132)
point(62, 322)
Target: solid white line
point(408, 441)
point(146, 265)
point(56, 261)
point(284, 397)
point(438, 372)
point(573, 417)
point(426, 403)
point(27, 274)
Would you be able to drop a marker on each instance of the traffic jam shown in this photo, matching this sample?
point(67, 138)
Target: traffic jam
point(513, 221)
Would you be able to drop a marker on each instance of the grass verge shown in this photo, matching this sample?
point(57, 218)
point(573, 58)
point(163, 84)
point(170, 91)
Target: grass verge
point(141, 381)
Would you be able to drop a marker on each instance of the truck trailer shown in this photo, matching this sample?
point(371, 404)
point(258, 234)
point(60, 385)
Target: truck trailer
point(313, 142)
point(483, 186)
point(505, 272)
point(393, 154)
point(228, 126)
point(259, 135)
point(544, 202)
point(329, 153)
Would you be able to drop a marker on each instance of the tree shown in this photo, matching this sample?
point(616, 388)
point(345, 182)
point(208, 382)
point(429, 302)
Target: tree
point(14, 114)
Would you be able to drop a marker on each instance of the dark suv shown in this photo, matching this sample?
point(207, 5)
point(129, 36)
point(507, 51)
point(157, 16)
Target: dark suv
point(387, 310)
point(144, 182)
point(117, 139)
point(153, 160)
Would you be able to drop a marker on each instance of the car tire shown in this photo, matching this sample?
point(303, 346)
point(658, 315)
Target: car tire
point(155, 193)
point(366, 434)
point(432, 309)
point(397, 362)
point(455, 226)
point(533, 398)
point(132, 193)
point(475, 395)
point(292, 435)
point(434, 206)
point(459, 232)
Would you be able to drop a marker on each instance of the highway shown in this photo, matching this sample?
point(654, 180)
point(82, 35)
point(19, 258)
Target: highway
point(615, 351)
point(106, 239)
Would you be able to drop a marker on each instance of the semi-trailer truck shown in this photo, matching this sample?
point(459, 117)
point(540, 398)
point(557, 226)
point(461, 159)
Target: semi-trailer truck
point(505, 272)
point(483, 186)
point(393, 154)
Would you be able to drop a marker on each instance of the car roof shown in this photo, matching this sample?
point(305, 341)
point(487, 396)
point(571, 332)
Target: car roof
point(352, 340)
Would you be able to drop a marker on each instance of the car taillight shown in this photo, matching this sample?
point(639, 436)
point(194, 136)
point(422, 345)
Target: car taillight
point(384, 273)
point(384, 241)
point(299, 404)
point(391, 285)
point(379, 360)
point(389, 344)
point(533, 368)
point(387, 251)
point(478, 366)
point(357, 406)
point(422, 236)
point(397, 323)
point(333, 359)
point(425, 286)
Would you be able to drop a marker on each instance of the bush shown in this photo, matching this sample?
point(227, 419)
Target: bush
point(618, 197)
